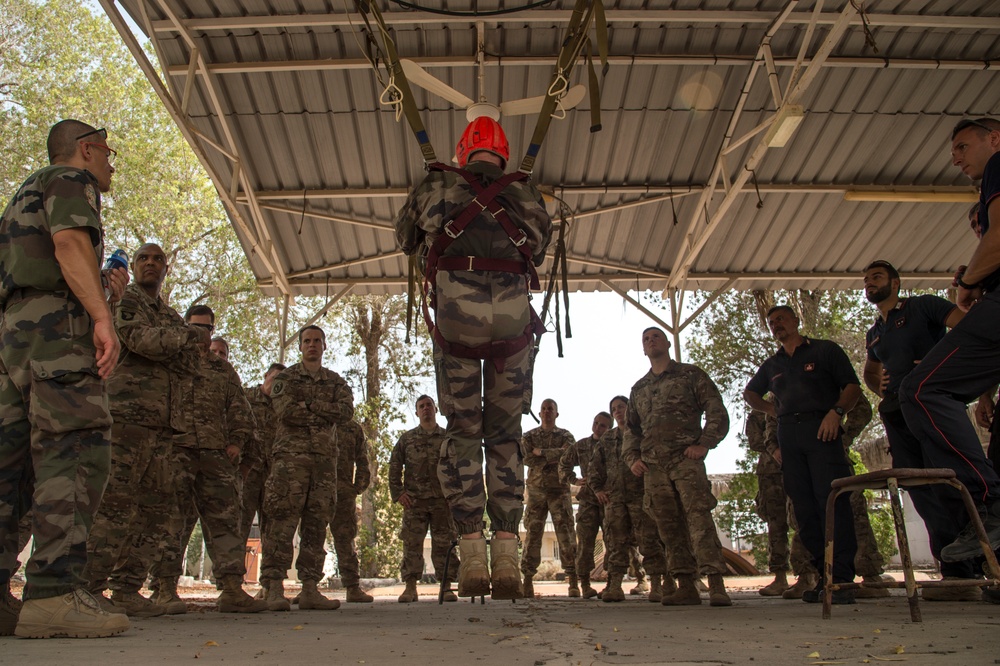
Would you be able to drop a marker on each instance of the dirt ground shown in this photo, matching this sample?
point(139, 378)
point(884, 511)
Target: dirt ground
point(549, 630)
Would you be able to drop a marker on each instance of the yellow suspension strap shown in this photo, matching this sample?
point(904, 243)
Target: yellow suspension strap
point(585, 13)
point(397, 91)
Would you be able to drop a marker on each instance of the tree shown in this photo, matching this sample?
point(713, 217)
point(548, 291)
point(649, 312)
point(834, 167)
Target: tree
point(388, 373)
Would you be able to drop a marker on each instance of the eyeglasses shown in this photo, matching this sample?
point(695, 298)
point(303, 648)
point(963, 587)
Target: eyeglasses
point(207, 327)
point(102, 134)
point(969, 122)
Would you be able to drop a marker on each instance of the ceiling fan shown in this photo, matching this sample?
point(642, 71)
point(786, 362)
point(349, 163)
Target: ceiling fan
point(568, 97)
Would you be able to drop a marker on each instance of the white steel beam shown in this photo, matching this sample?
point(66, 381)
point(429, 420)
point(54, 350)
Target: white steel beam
point(696, 236)
point(319, 313)
point(304, 22)
point(345, 264)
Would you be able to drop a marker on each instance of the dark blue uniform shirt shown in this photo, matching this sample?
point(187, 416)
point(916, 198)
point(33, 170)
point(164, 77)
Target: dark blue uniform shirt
point(808, 381)
point(910, 330)
point(989, 190)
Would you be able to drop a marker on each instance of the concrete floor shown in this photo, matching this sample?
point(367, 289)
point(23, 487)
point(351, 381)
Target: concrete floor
point(548, 630)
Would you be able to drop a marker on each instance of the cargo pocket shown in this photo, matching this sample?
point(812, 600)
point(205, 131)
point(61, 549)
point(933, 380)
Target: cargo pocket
point(67, 395)
point(447, 471)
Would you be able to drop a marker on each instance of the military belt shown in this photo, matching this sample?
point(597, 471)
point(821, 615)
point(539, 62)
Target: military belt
point(802, 417)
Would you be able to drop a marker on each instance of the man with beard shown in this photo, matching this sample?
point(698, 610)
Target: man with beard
point(904, 331)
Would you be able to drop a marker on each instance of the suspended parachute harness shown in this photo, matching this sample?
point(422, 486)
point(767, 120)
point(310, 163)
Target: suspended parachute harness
point(381, 50)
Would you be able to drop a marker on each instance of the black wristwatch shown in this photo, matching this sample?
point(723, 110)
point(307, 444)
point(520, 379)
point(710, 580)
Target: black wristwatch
point(963, 285)
point(840, 411)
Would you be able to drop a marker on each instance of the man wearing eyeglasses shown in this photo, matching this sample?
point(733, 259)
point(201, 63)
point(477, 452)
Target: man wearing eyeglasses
point(966, 362)
point(57, 347)
point(146, 400)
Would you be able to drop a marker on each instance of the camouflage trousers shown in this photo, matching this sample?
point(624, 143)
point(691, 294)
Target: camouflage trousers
point(187, 514)
point(344, 528)
point(55, 432)
point(589, 519)
point(627, 524)
point(482, 400)
point(774, 507)
point(137, 508)
point(435, 515)
point(679, 499)
point(205, 478)
point(252, 501)
point(301, 487)
point(542, 502)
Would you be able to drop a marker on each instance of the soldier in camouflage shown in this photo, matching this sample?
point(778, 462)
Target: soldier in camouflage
point(310, 402)
point(773, 508)
point(255, 464)
point(589, 512)
point(57, 346)
point(413, 482)
point(146, 398)
point(665, 444)
point(621, 493)
point(353, 478)
point(204, 461)
point(482, 399)
point(542, 448)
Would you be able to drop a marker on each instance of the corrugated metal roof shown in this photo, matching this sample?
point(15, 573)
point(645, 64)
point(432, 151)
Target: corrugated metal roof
point(324, 168)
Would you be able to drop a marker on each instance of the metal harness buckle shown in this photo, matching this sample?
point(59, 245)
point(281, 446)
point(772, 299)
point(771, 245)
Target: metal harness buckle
point(447, 230)
point(470, 262)
point(520, 241)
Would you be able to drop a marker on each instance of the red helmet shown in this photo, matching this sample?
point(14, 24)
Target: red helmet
point(483, 133)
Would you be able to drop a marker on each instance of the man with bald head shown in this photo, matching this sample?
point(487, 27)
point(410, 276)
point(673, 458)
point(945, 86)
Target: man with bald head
point(57, 348)
point(158, 351)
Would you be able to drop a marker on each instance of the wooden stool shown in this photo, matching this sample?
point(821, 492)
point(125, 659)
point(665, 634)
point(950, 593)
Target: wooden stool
point(892, 480)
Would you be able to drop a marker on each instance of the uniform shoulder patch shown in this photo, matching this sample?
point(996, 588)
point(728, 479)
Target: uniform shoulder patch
point(278, 388)
point(91, 195)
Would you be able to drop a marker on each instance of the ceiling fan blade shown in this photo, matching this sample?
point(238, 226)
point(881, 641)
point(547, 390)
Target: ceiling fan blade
point(519, 107)
point(418, 76)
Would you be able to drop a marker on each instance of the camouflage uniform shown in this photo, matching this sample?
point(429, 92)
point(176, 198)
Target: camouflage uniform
point(218, 416)
point(145, 394)
point(353, 478)
point(773, 505)
point(413, 470)
point(589, 512)
point(302, 485)
point(547, 494)
point(663, 419)
point(256, 462)
point(627, 520)
point(483, 401)
point(54, 415)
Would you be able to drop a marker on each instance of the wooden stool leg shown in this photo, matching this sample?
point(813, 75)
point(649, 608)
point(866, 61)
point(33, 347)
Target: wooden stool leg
point(831, 502)
point(904, 550)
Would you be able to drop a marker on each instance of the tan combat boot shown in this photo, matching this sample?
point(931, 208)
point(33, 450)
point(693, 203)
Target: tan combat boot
point(640, 585)
point(310, 598)
point(506, 576)
point(528, 588)
point(804, 583)
point(655, 589)
point(9, 609)
point(409, 595)
point(355, 595)
point(136, 605)
point(473, 572)
point(875, 592)
point(574, 586)
point(275, 599)
point(73, 615)
point(613, 591)
point(717, 595)
point(585, 588)
point(166, 596)
point(449, 595)
point(235, 600)
point(776, 587)
point(686, 593)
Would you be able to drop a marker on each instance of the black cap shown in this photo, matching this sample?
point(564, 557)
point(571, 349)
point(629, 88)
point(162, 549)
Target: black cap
point(882, 263)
